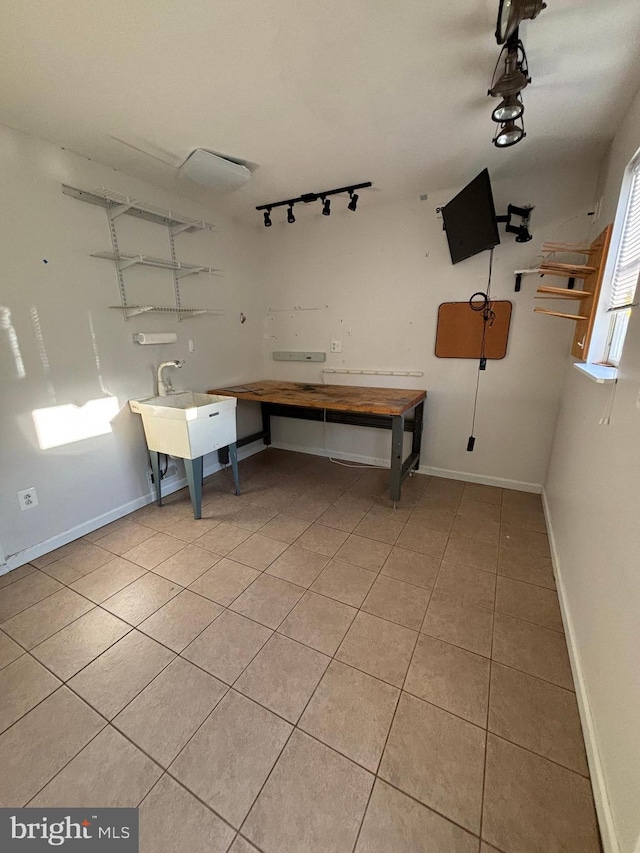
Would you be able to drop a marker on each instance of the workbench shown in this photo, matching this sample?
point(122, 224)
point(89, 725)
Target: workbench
point(397, 409)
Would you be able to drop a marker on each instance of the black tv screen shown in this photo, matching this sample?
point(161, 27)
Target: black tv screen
point(470, 219)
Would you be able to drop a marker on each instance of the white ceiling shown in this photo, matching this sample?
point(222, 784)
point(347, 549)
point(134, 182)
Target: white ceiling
point(315, 95)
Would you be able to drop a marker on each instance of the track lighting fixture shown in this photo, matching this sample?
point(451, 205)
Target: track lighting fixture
point(515, 77)
point(508, 110)
point(512, 12)
point(310, 197)
point(509, 134)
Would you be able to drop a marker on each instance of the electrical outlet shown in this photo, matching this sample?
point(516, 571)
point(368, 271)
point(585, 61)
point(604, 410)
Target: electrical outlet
point(28, 499)
point(336, 346)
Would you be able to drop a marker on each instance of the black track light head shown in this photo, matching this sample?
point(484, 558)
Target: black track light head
point(307, 198)
point(326, 207)
point(354, 200)
point(290, 217)
point(267, 218)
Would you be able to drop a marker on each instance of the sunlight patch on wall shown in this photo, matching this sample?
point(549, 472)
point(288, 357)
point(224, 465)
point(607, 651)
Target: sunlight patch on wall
point(7, 326)
point(59, 425)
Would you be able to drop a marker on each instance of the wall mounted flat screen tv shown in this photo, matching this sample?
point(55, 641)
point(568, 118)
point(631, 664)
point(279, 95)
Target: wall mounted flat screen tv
point(470, 219)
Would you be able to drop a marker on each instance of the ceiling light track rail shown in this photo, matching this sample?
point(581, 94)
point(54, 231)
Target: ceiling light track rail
point(308, 198)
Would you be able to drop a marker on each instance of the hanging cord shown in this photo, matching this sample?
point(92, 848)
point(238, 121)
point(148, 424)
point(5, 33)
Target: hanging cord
point(488, 317)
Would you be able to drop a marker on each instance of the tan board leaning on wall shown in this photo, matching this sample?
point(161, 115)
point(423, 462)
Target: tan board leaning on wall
point(459, 332)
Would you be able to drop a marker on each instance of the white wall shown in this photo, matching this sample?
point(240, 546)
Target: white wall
point(74, 349)
point(593, 499)
point(377, 277)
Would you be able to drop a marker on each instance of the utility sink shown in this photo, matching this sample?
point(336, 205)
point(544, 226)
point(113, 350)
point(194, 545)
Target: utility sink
point(186, 423)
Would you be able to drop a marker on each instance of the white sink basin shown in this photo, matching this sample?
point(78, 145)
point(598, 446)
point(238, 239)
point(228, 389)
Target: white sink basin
point(187, 424)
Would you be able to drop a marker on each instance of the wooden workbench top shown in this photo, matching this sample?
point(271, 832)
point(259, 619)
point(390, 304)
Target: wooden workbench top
point(338, 398)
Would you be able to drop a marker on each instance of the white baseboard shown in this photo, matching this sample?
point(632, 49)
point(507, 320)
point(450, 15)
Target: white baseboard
point(168, 487)
point(603, 808)
point(484, 480)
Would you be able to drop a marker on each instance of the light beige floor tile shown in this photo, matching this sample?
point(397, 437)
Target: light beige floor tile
point(258, 551)
point(517, 539)
point(487, 848)
point(16, 575)
point(467, 552)
point(538, 716)
point(378, 647)
point(318, 622)
point(411, 567)
point(24, 593)
point(480, 492)
point(450, 620)
point(415, 537)
point(241, 845)
point(384, 508)
point(478, 511)
point(227, 646)
point(363, 552)
point(225, 581)
point(521, 500)
point(108, 579)
point(476, 529)
point(442, 488)
point(268, 600)
point(109, 773)
point(228, 759)
point(189, 529)
point(351, 712)
point(308, 507)
point(528, 602)
point(9, 650)
point(180, 620)
point(322, 794)
point(275, 498)
point(139, 600)
point(395, 822)
point(397, 601)
point(154, 550)
point(380, 528)
point(525, 566)
point(174, 508)
point(433, 516)
point(106, 528)
point(298, 566)
point(524, 518)
point(68, 651)
point(322, 540)
point(531, 804)
point(343, 515)
point(282, 676)
point(56, 554)
point(34, 749)
point(163, 717)
point(172, 820)
point(125, 538)
point(344, 582)
point(469, 586)
point(120, 673)
point(438, 759)
point(223, 538)
point(450, 677)
point(186, 565)
point(532, 649)
point(86, 558)
point(253, 517)
point(285, 528)
point(23, 684)
point(43, 619)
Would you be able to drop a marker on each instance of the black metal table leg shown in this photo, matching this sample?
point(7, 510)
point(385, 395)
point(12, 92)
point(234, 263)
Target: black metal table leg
point(397, 440)
point(418, 420)
point(193, 469)
point(266, 423)
point(233, 453)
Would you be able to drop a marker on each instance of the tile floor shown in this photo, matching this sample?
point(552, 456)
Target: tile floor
point(304, 669)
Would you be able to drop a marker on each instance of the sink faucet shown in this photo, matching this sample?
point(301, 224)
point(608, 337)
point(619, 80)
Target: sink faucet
point(164, 385)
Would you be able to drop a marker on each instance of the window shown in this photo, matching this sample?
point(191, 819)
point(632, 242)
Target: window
point(625, 272)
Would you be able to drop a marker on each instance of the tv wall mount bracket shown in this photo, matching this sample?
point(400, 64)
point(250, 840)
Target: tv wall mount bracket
point(522, 230)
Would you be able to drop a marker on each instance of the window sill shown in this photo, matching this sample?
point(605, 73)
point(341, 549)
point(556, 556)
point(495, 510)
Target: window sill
point(599, 373)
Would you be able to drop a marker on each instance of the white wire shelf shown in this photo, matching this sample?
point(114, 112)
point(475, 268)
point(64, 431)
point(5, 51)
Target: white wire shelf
point(118, 204)
point(134, 310)
point(181, 269)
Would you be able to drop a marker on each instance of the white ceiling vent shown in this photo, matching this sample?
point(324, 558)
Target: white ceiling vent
point(223, 176)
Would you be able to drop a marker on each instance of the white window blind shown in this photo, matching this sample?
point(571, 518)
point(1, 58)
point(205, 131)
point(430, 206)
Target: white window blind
point(627, 269)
